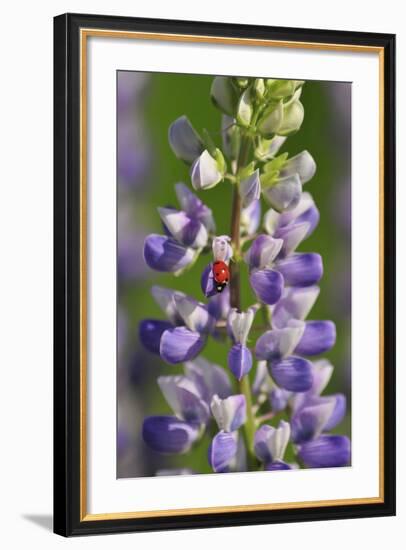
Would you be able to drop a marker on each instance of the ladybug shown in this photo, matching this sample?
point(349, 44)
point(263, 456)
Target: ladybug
point(221, 275)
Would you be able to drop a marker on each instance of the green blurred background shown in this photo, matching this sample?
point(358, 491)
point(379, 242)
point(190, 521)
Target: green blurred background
point(156, 102)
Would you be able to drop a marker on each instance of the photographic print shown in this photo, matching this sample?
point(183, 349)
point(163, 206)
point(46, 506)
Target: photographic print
point(233, 274)
point(224, 312)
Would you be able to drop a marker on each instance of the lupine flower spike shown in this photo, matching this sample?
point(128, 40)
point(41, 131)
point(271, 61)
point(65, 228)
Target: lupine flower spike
point(275, 415)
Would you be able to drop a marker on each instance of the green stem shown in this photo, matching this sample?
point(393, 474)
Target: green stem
point(235, 302)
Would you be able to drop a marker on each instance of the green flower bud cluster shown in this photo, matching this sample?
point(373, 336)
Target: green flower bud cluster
point(267, 107)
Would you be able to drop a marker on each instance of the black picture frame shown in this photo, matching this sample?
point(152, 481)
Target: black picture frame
point(67, 354)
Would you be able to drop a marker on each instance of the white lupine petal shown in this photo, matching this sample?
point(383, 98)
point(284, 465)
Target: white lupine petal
point(241, 324)
point(222, 250)
point(194, 314)
point(323, 371)
point(279, 343)
point(320, 414)
point(302, 164)
point(229, 413)
point(271, 221)
point(205, 172)
point(164, 297)
point(285, 194)
point(270, 443)
point(296, 303)
point(179, 225)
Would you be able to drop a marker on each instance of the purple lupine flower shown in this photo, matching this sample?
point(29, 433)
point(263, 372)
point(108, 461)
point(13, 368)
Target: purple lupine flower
point(328, 451)
point(188, 232)
point(169, 435)
point(290, 372)
point(222, 451)
point(183, 336)
point(305, 212)
point(193, 398)
point(313, 414)
point(266, 282)
point(269, 273)
point(206, 171)
point(239, 356)
point(184, 398)
point(291, 337)
point(283, 178)
point(209, 378)
point(230, 415)
point(270, 445)
point(184, 140)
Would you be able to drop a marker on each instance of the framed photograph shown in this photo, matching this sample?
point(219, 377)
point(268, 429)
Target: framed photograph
point(224, 274)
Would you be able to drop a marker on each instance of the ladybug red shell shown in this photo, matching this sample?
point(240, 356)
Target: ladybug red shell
point(221, 275)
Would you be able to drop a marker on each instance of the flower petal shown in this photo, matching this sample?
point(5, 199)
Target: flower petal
point(285, 194)
point(338, 413)
point(305, 211)
point(311, 420)
point(293, 373)
point(224, 95)
point(318, 337)
point(262, 381)
point(270, 443)
point(250, 189)
point(194, 314)
point(240, 323)
point(207, 282)
point(180, 344)
point(209, 378)
point(250, 218)
point(322, 371)
point(204, 172)
point(164, 297)
point(222, 250)
point(328, 451)
point(219, 304)
point(168, 434)
point(186, 230)
point(222, 451)
point(302, 164)
point(267, 285)
point(239, 360)
point(150, 332)
point(165, 254)
point(301, 269)
point(279, 398)
point(230, 413)
point(296, 303)
point(194, 207)
point(278, 343)
point(268, 148)
point(292, 235)
point(263, 251)
point(182, 395)
point(184, 140)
